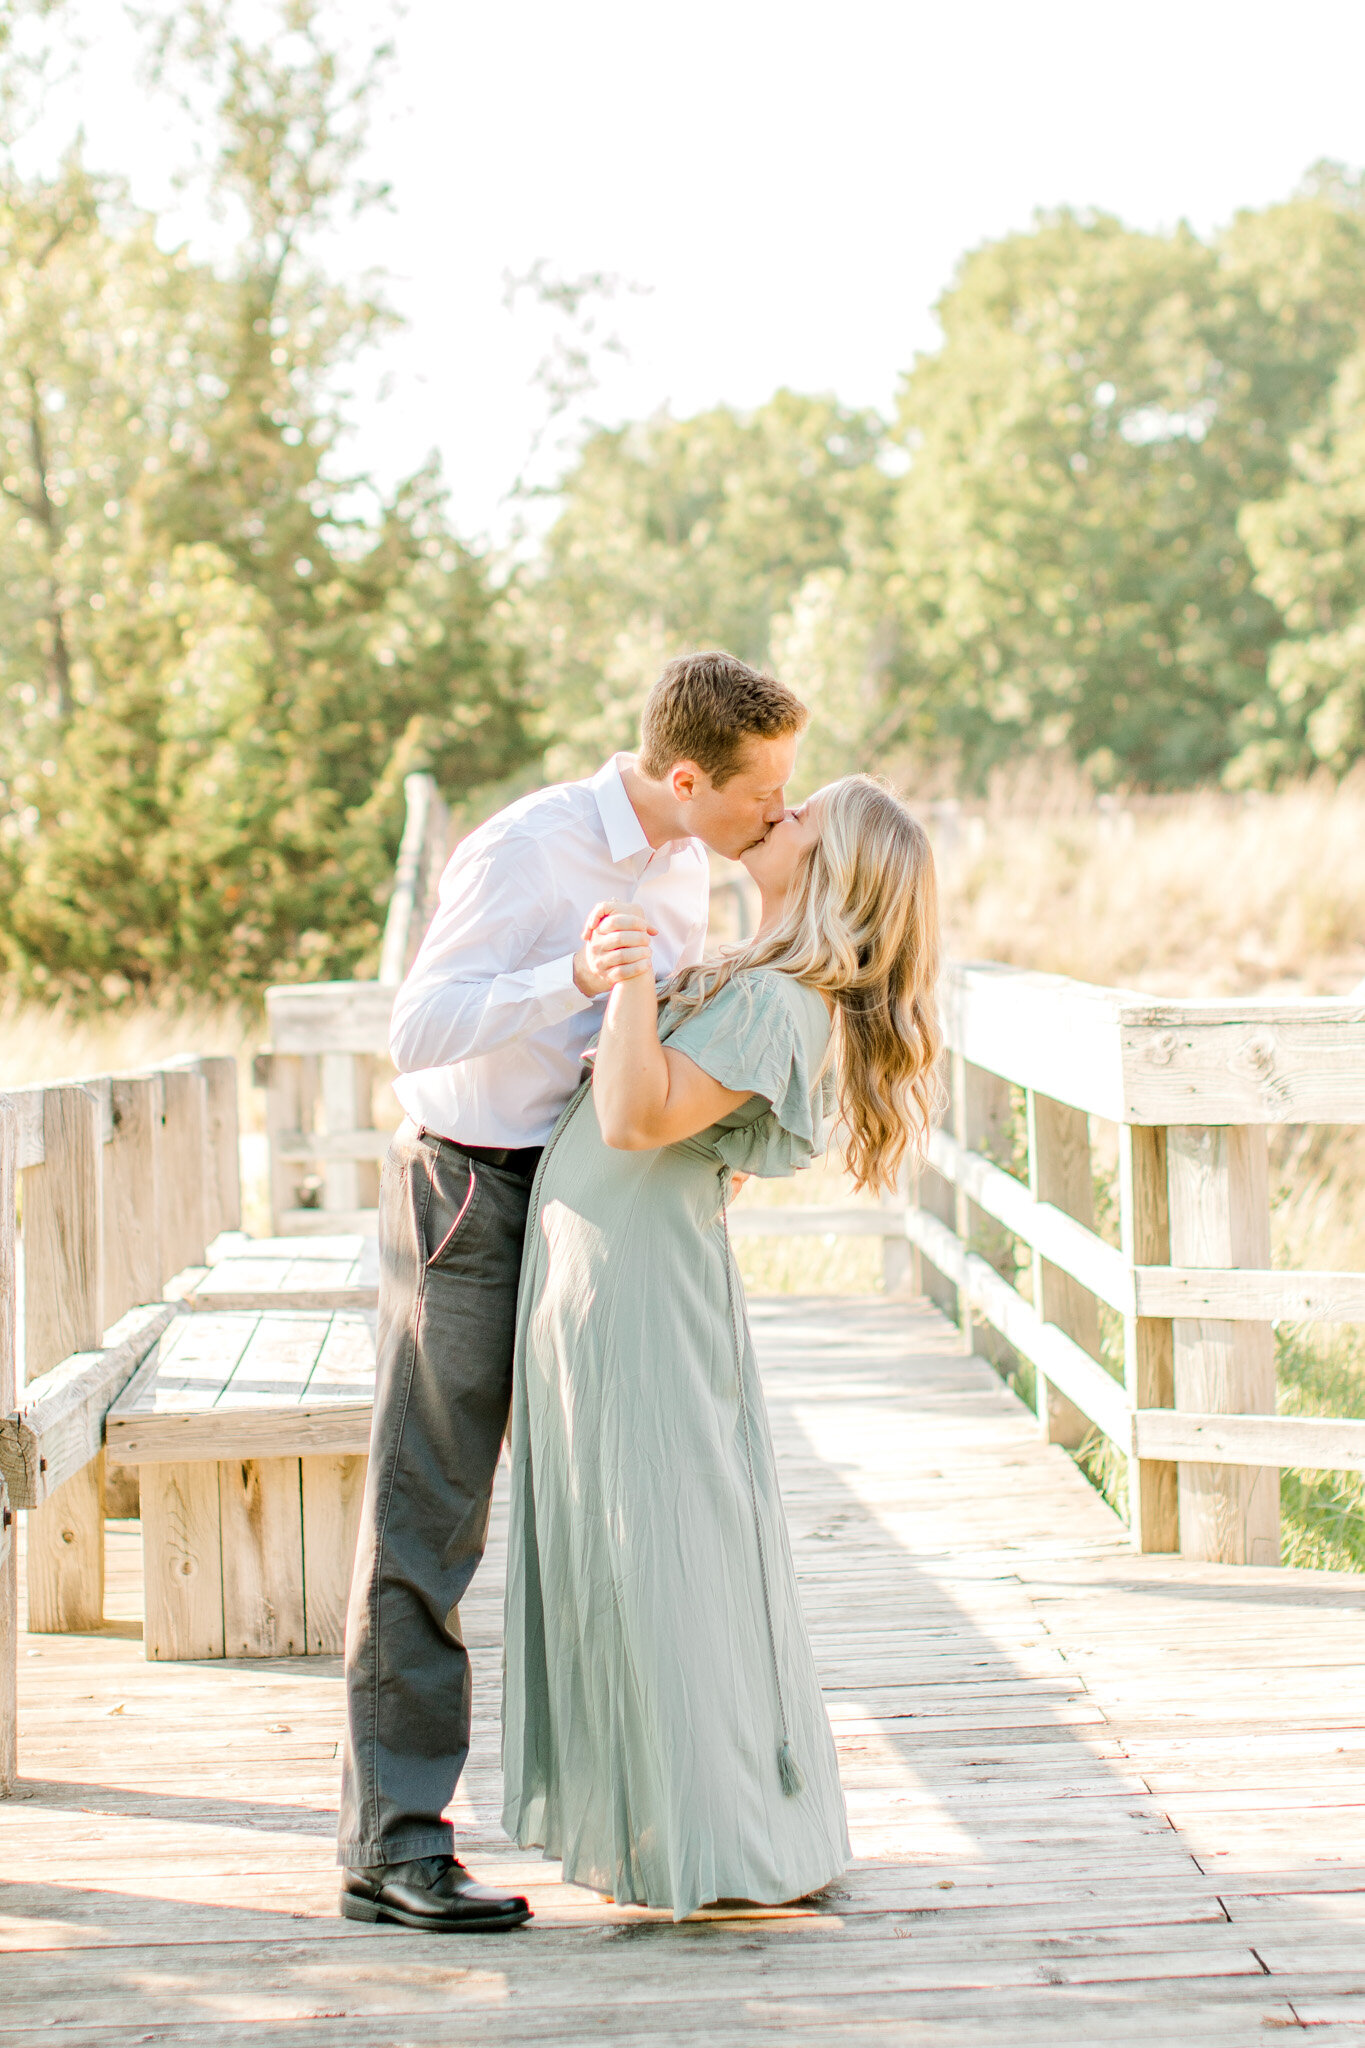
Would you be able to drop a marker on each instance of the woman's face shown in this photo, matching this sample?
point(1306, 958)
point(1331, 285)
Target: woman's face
point(773, 862)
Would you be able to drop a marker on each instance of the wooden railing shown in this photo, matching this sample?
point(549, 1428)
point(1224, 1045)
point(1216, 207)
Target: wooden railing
point(1192, 1089)
point(124, 1181)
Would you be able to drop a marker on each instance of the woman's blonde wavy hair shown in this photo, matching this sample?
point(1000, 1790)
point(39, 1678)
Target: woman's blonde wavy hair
point(861, 926)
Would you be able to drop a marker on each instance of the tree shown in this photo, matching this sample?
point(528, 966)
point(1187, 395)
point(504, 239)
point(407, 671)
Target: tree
point(690, 533)
point(1070, 568)
point(1308, 547)
point(218, 671)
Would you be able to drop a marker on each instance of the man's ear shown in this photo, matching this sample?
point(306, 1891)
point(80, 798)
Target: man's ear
point(684, 779)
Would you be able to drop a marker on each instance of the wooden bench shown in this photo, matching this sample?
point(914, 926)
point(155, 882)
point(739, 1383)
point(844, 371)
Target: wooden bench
point(341, 1271)
point(250, 1429)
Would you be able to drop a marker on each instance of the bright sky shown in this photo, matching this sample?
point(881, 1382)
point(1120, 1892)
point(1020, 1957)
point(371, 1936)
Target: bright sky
point(793, 183)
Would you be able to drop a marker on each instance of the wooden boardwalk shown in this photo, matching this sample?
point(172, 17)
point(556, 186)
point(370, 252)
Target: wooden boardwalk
point(1094, 1797)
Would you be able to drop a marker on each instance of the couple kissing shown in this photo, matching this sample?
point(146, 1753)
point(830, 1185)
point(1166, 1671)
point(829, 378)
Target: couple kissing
point(582, 1083)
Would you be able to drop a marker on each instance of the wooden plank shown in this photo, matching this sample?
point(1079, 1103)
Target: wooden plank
point(329, 1016)
point(333, 1145)
point(182, 1556)
point(1058, 1037)
point(26, 1107)
point(347, 1095)
point(1306, 1442)
point(60, 1426)
point(1220, 1216)
point(321, 1222)
point(64, 1313)
point(426, 821)
point(1068, 1244)
point(333, 1490)
point(1059, 1174)
point(1088, 1385)
point(222, 1196)
point(1251, 1296)
point(982, 1116)
point(132, 1194)
point(325, 1428)
point(66, 1555)
point(1280, 1063)
point(1148, 1358)
point(283, 1114)
point(277, 1362)
point(814, 1219)
point(260, 1513)
point(184, 1169)
point(63, 1233)
point(248, 1300)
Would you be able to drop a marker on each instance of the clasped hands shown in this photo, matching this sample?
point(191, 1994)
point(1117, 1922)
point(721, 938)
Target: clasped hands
point(615, 948)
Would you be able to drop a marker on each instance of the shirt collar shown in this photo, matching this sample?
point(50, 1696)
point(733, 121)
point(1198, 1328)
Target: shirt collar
point(625, 834)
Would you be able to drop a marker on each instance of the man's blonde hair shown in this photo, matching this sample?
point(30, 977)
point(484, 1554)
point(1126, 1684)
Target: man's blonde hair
point(706, 708)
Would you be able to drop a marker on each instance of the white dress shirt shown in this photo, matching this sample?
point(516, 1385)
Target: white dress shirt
point(488, 1029)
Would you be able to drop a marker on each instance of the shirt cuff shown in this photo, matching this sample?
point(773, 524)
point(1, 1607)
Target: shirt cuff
point(556, 988)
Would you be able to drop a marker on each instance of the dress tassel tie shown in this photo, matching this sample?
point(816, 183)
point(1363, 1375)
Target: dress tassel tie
point(789, 1771)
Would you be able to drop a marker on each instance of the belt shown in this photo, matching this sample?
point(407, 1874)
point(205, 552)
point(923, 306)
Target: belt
point(518, 1159)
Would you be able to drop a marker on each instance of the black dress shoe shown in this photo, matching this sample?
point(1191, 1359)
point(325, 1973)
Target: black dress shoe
point(433, 1893)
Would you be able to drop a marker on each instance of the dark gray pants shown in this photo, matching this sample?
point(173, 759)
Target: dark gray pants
point(450, 1236)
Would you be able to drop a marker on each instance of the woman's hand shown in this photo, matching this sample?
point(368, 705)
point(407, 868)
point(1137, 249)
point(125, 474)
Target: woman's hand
point(615, 948)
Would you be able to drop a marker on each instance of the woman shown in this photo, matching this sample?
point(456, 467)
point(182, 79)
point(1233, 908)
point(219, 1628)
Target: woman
point(663, 1728)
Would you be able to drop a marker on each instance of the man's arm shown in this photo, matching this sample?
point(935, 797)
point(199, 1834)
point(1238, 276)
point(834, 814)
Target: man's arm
point(468, 991)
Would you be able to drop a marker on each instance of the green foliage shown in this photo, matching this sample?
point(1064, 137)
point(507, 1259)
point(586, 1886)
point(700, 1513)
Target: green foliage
point(691, 533)
point(1103, 405)
point(214, 672)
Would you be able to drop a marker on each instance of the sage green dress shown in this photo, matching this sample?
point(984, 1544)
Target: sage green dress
point(663, 1728)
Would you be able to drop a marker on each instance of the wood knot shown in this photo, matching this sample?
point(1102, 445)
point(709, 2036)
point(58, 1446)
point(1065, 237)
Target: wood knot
point(1164, 1051)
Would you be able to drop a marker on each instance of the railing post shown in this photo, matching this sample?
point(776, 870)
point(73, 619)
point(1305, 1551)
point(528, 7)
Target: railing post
point(64, 1312)
point(185, 1142)
point(347, 1093)
point(981, 1122)
point(132, 1195)
point(1220, 1216)
point(222, 1158)
point(1059, 1172)
point(1148, 1370)
point(9, 1549)
point(938, 1197)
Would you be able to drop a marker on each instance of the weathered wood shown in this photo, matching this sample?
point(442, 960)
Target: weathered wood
point(63, 1233)
point(322, 1222)
point(1059, 1173)
point(329, 1016)
point(1042, 1225)
point(182, 1554)
point(333, 1489)
point(421, 856)
point(347, 1095)
point(1220, 1216)
point(132, 1194)
point(982, 1116)
point(60, 1426)
point(322, 1146)
point(184, 1169)
point(1057, 1037)
point(261, 1516)
point(64, 1313)
point(1149, 1372)
point(1250, 1296)
point(222, 1155)
point(1094, 1391)
point(66, 1555)
point(321, 1428)
point(1309, 1442)
point(9, 1646)
point(26, 1107)
point(283, 1115)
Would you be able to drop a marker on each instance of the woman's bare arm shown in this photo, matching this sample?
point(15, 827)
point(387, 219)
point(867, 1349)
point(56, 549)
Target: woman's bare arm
point(645, 1094)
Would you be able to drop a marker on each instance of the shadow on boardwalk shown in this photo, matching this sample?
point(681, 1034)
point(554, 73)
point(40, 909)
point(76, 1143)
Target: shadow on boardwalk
point(1093, 1797)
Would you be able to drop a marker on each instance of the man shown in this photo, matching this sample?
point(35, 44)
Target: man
point(487, 1033)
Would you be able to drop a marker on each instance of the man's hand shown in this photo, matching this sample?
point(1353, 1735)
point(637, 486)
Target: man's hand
point(615, 948)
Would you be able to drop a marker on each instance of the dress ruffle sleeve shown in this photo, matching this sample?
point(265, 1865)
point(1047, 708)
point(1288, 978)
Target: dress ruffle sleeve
point(765, 1033)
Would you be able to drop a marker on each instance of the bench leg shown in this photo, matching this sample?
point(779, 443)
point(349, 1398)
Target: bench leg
point(261, 1511)
point(182, 1562)
point(66, 1556)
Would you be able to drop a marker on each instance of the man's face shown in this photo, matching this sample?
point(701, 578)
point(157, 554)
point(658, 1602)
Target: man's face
point(743, 811)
